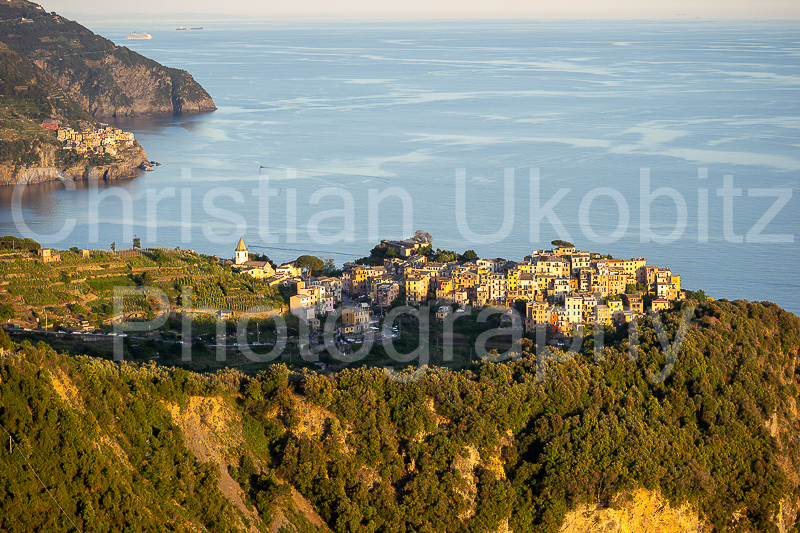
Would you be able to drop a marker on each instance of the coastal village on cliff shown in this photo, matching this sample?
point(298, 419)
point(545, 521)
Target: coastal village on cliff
point(563, 289)
point(560, 291)
point(102, 140)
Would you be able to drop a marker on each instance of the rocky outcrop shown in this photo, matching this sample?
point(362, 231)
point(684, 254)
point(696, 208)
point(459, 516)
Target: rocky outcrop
point(635, 512)
point(47, 170)
point(145, 88)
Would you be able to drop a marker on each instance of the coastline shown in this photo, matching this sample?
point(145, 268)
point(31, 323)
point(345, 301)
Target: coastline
point(37, 175)
point(126, 168)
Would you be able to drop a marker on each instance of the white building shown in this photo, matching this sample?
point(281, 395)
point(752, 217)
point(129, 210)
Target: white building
point(241, 255)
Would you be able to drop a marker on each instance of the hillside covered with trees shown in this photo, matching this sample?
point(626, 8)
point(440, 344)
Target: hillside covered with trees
point(93, 445)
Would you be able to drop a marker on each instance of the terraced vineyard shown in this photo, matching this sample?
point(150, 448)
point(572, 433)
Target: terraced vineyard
point(79, 287)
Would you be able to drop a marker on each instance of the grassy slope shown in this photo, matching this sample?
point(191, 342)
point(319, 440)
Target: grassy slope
point(82, 288)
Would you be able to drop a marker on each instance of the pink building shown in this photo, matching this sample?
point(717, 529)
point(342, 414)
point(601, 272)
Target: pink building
point(387, 293)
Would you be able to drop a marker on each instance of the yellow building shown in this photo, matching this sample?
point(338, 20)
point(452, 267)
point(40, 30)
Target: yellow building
point(526, 287)
point(526, 266)
point(602, 315)
point(443, 287)
point(660, 304)
point(256, 269)
point(634, 302)
point(416, 286)
point(354, 320)
point(289, 269)
point(629, 266)
point(511, 277)
point(537, 314)
point(554, 266)
point(468, 280)
point(48, 256)
point(455, 275)
point(614, 308)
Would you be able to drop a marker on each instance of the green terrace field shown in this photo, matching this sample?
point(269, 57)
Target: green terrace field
point(27, 97)
point(78, 288)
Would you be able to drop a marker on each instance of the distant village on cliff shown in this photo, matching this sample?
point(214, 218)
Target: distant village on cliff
point(562, 288)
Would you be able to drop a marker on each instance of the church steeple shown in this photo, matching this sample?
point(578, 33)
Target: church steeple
point(241, 255)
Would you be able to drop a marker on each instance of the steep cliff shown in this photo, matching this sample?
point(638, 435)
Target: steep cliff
point(31, 153)
point(124, 83)
point(106, 79)
point(49, 168)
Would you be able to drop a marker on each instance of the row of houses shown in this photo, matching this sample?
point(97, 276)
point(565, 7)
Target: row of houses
point(103, 140)
point(313, 298)
point(310, 297)
point(262, 270)
point(563, 287)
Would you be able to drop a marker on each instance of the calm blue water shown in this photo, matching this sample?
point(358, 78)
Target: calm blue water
point(363, 108)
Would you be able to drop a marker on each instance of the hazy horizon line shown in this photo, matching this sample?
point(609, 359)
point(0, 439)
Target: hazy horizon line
point(168, 17)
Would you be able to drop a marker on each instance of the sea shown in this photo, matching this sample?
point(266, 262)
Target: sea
point(677, 141)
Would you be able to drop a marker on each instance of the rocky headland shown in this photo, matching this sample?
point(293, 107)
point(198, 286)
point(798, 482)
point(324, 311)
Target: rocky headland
point(54, 69)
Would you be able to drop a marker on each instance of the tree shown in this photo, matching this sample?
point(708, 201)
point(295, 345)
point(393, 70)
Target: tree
point(565, 244)
point(699, 296)
point(422, 236)
point(137, 242)
point(6, 311)
point(9, 242)
point(469, 255)
point(5, 340)
point(445, 256)
point(113, 246)
point(330, 266)
point(309, 264)
point(78, 309)
point(160, 257)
